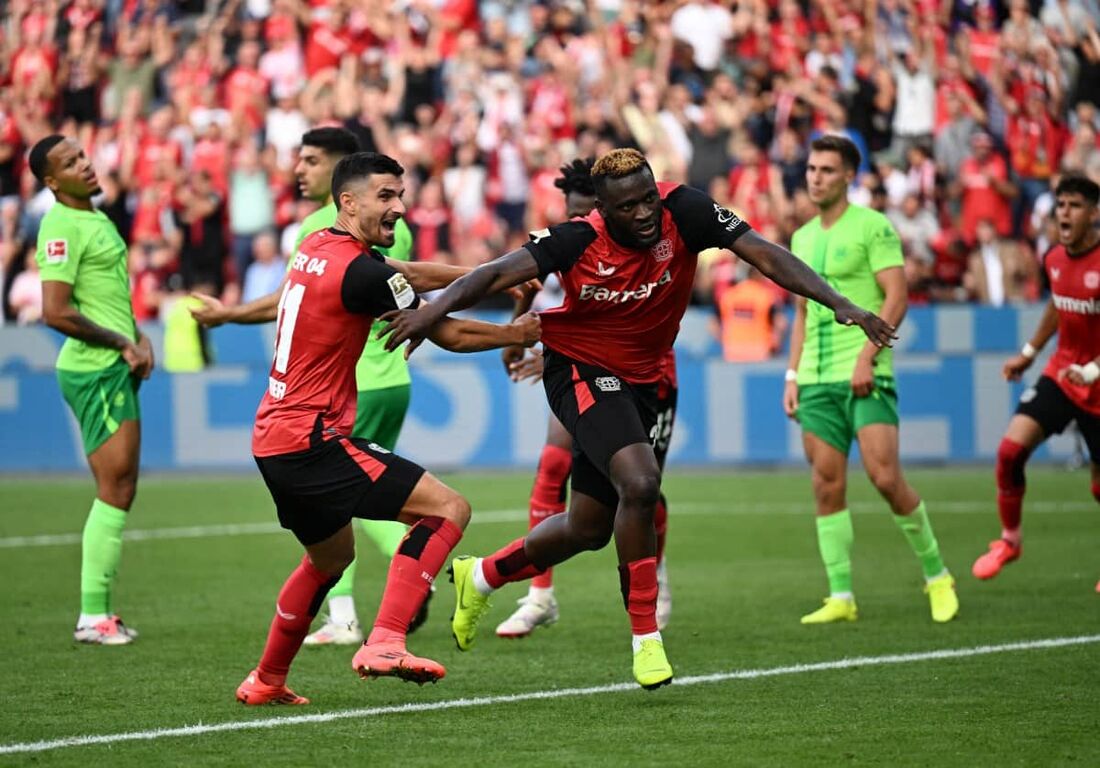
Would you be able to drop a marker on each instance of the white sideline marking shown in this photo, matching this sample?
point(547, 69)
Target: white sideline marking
point(489, 516)
point(718, 677)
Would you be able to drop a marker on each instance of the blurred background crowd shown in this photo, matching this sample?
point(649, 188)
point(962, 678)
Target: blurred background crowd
point(965, 112)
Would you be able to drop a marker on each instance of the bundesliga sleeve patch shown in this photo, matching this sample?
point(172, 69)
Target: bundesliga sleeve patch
point(727, 218)
point(403, 294)
point(57, 251)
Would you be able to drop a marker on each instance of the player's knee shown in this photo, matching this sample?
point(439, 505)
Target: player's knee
point(333, 562)
point(641, 489)
point(119, 492)
point(591, 537)
point(885, 479)
point(828, 488)
point(456, 509)
point(1011, 459)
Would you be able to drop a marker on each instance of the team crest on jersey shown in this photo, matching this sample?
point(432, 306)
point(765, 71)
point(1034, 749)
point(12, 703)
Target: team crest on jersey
point(663, 250)
point(1092, 280)
point(608, 383)
point(403, 294)
point(57, 251)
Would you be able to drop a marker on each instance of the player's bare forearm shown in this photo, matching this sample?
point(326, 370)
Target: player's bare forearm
point(524, 303)
point(426, 276)
point(786, 269)
point(510, 269)
point(1048, 326)
point(71, 323)
point(476, 336)
point(798, 334)
point(59, 313)
point(261, 310)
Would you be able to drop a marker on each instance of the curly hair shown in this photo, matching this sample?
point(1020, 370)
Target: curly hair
point(576, 178)
point(618, 163)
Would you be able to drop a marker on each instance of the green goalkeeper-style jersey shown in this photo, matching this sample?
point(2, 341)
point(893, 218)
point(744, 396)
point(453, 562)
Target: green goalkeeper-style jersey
point(377, 368)
point(859, 244)
point(83, 249)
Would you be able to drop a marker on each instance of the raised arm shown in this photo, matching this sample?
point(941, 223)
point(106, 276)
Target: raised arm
point(59, 313)
point(511, 269)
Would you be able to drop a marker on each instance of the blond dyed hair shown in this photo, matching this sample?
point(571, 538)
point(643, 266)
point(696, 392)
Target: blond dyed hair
point(617, 164)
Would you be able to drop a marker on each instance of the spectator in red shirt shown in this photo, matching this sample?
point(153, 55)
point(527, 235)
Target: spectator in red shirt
point(246, 88)
point(984, 189)
point(1035, 140)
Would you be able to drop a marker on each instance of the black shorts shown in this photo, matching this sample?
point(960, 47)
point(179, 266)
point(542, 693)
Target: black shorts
point(604, 414)
point(319, 490)
point(1053, 410)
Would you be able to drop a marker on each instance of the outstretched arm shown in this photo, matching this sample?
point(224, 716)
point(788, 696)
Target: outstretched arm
point(511, 269)
point(792, 273)
point(461, 335)
point(213, 313)
point(426, 276)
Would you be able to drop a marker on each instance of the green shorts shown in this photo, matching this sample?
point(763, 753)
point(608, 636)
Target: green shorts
point(101, 400)
point(834, 414)
point(380, 414)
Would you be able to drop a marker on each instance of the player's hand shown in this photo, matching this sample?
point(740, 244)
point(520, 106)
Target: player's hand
point(211, 314)
point(524, 290)
point(1014, 367)
point(530, 367)
point(863, 377)
point(406, 325)
point(530, 326)
point(139, 357)
point(790, 398)
point(1080, 375)
point(510, 356)
point(880, 332)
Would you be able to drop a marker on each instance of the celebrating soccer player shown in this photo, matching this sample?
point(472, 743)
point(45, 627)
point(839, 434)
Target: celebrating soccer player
point(319, 476)
point(86, 296)
point(627, 270)
point(382, 377)
point(539, 607)
point(840, 387)
point(1068, 389)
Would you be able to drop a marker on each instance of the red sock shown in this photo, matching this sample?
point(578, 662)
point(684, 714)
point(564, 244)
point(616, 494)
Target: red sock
point(300, 599)
point(638, 580)
point(414, 566)
point(548, 496)
point(1011, 484)
point(660, 523)
point(509, 563)
point(1096, 491)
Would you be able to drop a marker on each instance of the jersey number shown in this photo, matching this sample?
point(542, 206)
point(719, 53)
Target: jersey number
point(289, 304)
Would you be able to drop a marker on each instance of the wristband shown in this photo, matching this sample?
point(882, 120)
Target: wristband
point(790, 375)
point(1029, 351)
point(1090, 372)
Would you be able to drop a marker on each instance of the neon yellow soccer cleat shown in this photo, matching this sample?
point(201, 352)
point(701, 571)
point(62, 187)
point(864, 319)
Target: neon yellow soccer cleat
point(835, 609)
point(942, 597)
point(470, 605)
point(651, 667)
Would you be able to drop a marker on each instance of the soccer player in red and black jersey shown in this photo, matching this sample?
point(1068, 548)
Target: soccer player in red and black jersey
point(539, 607)
point(1069, 387)
point(627, 270)
point(319, 477)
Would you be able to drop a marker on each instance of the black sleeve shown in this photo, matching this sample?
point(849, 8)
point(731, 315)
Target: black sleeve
point(558, 248)
point(373, 287)
point(702, 222)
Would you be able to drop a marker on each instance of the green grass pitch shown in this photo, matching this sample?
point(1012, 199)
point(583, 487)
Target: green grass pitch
point(743, 565)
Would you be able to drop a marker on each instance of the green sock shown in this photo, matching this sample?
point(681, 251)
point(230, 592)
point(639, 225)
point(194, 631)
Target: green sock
point(386, 534)
point(344, 586)
point(918, 532)
point(834, 540)
point(102, 548)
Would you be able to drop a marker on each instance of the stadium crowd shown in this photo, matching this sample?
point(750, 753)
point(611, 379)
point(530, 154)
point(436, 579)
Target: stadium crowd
point(965, 112)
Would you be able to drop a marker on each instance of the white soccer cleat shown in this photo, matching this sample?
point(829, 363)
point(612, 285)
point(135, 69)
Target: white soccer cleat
point(664, 596)
point(331, 633)
point(110, 631)
point(532, 612)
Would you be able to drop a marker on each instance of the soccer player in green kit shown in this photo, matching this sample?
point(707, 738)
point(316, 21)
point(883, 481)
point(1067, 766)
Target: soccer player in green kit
point(382, 378)
point(86, 296)
point(838, 387)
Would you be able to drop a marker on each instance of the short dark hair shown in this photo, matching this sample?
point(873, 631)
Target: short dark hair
point(842, 145)
point(1081, 184)
point(38, 161)
point(576, 177)
point(337, 142)
point(617, 164)
point(359, 165)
